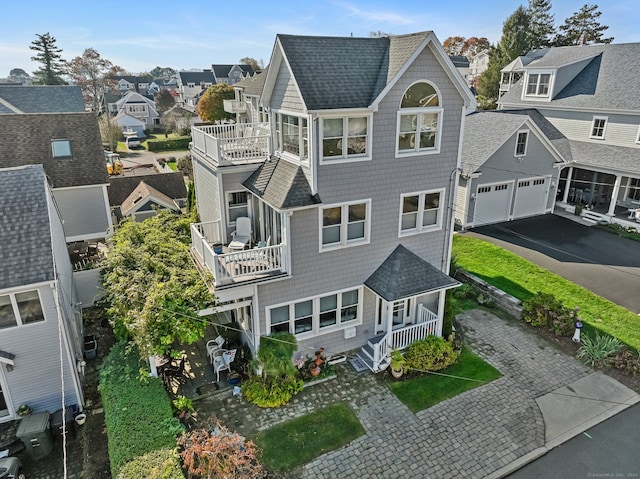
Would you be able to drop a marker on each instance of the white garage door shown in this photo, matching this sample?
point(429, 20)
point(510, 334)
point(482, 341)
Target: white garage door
point(492, 204)
point(530, 197)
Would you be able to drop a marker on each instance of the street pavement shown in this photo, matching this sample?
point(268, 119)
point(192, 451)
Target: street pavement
point(604, 263)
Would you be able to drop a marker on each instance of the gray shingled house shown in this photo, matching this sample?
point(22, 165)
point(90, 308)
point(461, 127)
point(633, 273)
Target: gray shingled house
point(41, 330)
point(588, 94)
point(348, 191)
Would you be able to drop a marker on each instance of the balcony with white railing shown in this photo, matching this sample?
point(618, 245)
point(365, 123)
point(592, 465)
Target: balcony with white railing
point(231, 144)
point(230, 268)
point(234, 106)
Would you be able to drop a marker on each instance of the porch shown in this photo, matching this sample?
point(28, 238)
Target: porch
point(232, 267)
point(232, 144)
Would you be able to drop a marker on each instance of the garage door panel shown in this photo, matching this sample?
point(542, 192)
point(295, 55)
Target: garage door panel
point(492, 204)
point(530, 197)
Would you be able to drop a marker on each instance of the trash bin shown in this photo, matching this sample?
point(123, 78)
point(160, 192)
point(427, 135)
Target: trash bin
point(57, 421)
point(90, 346)
point(35, 433)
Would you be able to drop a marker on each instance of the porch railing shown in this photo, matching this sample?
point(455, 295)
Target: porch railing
point(428, 324)
point(239, 143)
point(380, 351)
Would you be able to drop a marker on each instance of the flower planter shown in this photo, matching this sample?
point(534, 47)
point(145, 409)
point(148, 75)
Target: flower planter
point(217, 248)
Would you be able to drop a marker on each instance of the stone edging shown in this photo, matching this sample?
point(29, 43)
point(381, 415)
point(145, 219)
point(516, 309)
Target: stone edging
point(502, 300)
point(319, 381)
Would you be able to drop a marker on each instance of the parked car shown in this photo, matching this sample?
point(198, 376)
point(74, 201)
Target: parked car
point(132, 142)
point(11, 468)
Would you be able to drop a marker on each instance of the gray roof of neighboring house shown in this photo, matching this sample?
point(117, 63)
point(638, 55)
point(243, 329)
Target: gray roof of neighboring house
point(404, 274)
point(281, 184)
point(222, 71)
point(169, 184)
point(26, 253)
point(254, 84)
point(26, 140)
point(145, 193)
point(609, 81)
point(134, 79)
point(459, 61)
point(40, 99)
point(362, 66)
point(204, 76)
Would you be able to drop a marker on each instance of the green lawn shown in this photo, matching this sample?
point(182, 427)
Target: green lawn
point(301, 440)
point(425, 391)
point(522, 279)
point(173, 165)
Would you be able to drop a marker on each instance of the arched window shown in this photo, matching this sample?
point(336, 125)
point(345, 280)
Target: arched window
point(419, 120)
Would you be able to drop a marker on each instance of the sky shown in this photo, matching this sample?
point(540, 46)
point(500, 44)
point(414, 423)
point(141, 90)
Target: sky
point(193, 35)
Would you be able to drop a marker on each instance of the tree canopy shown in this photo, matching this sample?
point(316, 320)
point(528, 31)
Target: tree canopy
point(153, 289)
point(49, 55)
point(542, 23)
point(164, 100)
point(210, 107)
point(89, 72)
point(583, 26)
point(256, 65)
point(162, 72)
point(18, 75)
point(465, 46)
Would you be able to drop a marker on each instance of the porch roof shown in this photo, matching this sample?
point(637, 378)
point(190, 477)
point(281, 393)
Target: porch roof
point(404, 274)
point(611, 157)
point(281, 184)
point(6, 357)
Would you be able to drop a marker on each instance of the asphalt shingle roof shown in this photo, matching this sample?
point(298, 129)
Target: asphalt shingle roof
point(254, 84)
point(169, 184)
point(144, 192)
point(205, 76)
point(404, 274)
point(41, 99)
point(26, 255)
point(281, 184)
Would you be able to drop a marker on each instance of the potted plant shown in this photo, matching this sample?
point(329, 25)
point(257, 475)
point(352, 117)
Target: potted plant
point(314, 369)
point(397, 363)
point(23, 410)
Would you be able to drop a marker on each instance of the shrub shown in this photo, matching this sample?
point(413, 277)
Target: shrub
point(219, 454)
point(276, 354)
point(430, 354)
point(627, 362)
point(598, 351)
point(137, 409)
point(271, 391)
point(181, 143)
point(545, 310)
point(159, 464)
point(465, 291)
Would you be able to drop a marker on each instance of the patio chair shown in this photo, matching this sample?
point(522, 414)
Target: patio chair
point(242, 234)
point(222, 360)
point(213, 345)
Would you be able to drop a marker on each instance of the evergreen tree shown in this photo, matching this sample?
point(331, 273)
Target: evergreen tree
point(48, 53)
point(542, 23)
point(582, 26)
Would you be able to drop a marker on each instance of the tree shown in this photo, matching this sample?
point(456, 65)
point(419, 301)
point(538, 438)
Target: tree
point(164, 100)
point(49, 55)
point(153, 289)
point(256, 65)
point(18, 75)
point(210, 106)
point(380, 34)
point(541, 23)
point(453, 45)
point(89, 71)
point(582, 26)
point(162, 72)
point(474, 45)
point(110, 131)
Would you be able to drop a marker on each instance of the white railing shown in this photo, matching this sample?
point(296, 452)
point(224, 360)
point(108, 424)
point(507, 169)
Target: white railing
point(427, 324)
point(211, 231)
point(380, 351)
point(237, 143)
point(234, 106)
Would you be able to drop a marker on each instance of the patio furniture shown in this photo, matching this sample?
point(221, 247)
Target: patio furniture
point(242, 234)
point(222, 360)
point(213, 345)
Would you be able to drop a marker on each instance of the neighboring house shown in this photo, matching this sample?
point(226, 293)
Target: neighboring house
point(145, 201)
point(478, 64)
point(168, 185)
point(69, 147)
point(462, 65)
point(130, 124)
point(139, 107)
point(510, 168)
point(246, 104)
point(132, 83)
point(191, 84)
point(178, 118)
point(230, 74)
point(41, 327)
point(348, 190)
point(587, 93)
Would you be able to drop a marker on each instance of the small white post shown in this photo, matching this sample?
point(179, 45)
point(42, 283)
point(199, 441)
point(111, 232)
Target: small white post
point(576, 334)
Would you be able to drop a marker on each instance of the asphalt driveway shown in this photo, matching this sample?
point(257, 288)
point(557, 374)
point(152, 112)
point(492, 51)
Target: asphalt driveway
point(600, 261)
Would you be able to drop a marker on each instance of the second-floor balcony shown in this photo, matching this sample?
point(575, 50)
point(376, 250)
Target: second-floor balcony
point(235, 106)
point(232, 144)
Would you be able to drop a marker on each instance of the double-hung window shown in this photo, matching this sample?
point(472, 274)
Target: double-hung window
point(421, 212)
point(419, 121)
point(345, 225)
point(521, 143)
point(20, 309)
point(538, 84)
point(345, 138)
point(61, 148)
point(237, 205)
point(292, 135)
point(598, 127)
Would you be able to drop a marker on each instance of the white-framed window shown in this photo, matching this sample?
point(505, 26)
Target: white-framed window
point(598, 127)
point(137, 108)
point(317, 315)
point(346, 224)
point(538, 84)
point(61, 148)
point(419, 118)
point(20, 309)
point(521, 143)
point(421, 212)
point(237, 205)
point(345, 139)
point(292, 135)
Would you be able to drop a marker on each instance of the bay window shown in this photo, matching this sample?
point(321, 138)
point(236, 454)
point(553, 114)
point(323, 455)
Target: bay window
point(292, 135)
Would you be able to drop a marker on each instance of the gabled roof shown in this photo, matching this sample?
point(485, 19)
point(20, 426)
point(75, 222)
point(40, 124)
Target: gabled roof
point(169, 184)
point(404, 274)
point(204, 76)
point(519, 63)
point(254, 84)
point(131, 120)
point(40, 99)
point(26, 254)
point(459, 61)
point(134, 97)
point(142, 194)
point(222, 71)
point(281, 184)
point(133, 79)
point(26, 140)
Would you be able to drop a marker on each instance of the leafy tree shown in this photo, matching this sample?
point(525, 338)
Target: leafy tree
point(541, 23)
point(89, 71)
point(474, 45)
point(186, 167)
point(164, 100)
point(162, 72)
point(583, 22)
point(18, 75)
point(256, 65)
point(210, 106)
point(453, 45)
point(380, 34)
point(153, 289)
point(110, 131)
point(49, 55)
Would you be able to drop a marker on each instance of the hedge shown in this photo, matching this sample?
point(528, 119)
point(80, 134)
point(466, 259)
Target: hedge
point(159, 464)
point(137, 409)
point(169, 144)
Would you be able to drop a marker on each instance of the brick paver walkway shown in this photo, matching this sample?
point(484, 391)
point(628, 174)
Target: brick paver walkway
point(470, 435)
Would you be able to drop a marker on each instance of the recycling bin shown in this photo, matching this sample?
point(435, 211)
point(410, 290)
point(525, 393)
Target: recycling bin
point(35, 433)
point(57, 420)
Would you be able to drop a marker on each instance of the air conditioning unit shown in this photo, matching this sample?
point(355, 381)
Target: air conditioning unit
point(350, 333)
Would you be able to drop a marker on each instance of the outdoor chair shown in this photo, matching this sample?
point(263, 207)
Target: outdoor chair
point(222, 360)
point(214, 345)
point(242, 234)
